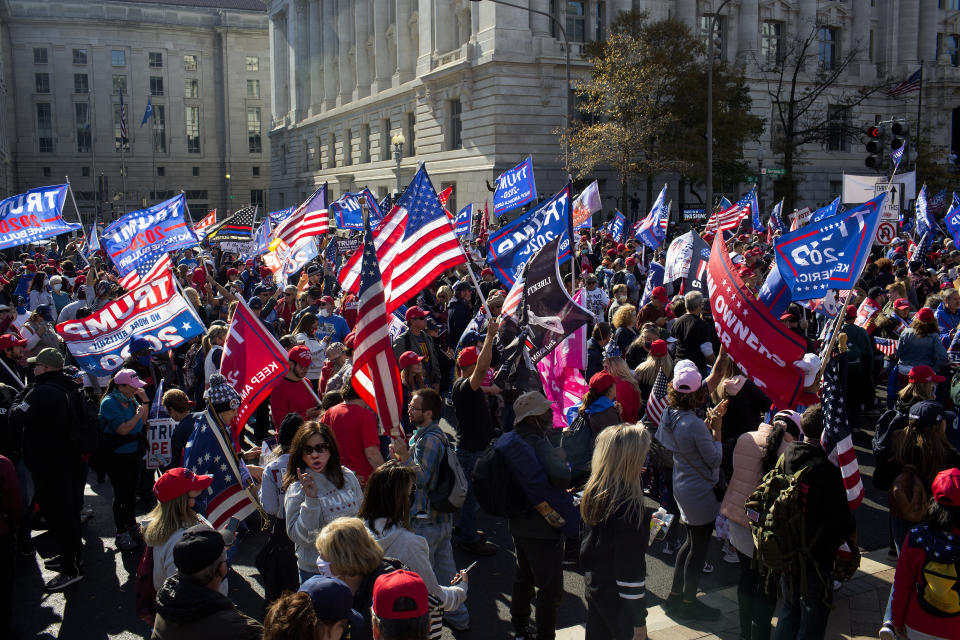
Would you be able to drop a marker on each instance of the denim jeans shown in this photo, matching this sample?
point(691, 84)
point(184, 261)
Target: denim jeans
point(467, 520)
point(437, 535)
point(900, 528)
point(803, 617)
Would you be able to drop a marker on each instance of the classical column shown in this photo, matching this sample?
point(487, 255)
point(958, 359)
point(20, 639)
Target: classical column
point(301, 82)
point(346, 54)
point(278, 70)
point(749, 26)
point(927, 49)
point(331, 45)
point(425, 36)
point(909, 30)
point(540, 25)
point(444, 26)
point(406, 55)
point(292, 57)
point(384, 64)
point(687, 13)
point(316, 57)
point(361, 21)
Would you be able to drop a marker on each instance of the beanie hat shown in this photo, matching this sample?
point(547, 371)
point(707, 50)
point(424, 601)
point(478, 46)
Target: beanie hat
point(221, 395)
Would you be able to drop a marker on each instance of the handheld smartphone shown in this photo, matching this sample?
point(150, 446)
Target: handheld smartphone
point(232, 525)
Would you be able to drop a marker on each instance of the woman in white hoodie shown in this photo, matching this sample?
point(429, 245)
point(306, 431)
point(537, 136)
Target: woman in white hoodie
point(318, 490)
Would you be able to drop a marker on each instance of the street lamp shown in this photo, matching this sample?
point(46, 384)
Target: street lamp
point(713, 27)
point(566, 49)
point(398, 141)
point(229, 192)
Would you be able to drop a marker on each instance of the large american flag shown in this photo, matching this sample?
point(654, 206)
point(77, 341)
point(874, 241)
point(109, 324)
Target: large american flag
point(375, 376)
point(149, 268)
point(309, 219)
point(729, 218)
point(836, 439)
point(209, 452)
point(909, 85)
point(414, 244)
point(657, 401)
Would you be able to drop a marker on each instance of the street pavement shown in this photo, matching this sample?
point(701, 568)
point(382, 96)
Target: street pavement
point(102, 605)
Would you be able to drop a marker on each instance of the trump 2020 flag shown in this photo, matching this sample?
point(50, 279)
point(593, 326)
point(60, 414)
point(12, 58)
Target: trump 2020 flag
point(515, 188)
point(461, 225)
point(653, 229)
point(585, 205)
point(836, 438)
point(348, 210)
point(952, 219)
point(279, 216)
point(654, 280)
point(826, 212)
point(926, 224)
point(148, 232)
point(617, 226)
point(34, 215)
point(829, 254)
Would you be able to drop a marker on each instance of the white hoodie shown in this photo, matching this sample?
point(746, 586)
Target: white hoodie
point(306, 516)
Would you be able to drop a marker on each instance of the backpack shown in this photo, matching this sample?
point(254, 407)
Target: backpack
point(193, 363)
point(86, 431)
point(938, 585)
point(450, 482)
point(955, 389)
point(145, 596)
point(908, 497)
point(577, 442)
point(494, 485)
point(775, 512)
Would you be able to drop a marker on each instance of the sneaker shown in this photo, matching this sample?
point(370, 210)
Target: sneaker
point(126, 542)
point(479, 548)
point(887, 632)
point(61, 581)
point(730, 554)
point(696, 610)
point(666, 549)
point(892, 553)
point(56, 564)
point(707, 567)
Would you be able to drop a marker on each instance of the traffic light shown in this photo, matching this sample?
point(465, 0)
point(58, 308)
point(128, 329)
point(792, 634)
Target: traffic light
point(874, 148)
point(900, 137)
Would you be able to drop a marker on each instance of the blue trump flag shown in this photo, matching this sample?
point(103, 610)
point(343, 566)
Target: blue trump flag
point(654, 279)
point(926, 223)
point(261, 239)
point(276, 217)
point(952, 219)
point(653, 229)
point(829, 254)
point(515, 188)
point(755, 209)
point(348, 212)
point(461, 225)
point(146, 233)
point(510, 247)
point(827, 211)
point(617, 225)
point(774, 294)
point(33, 216)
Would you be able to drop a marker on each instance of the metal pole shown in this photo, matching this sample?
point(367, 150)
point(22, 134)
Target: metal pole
point(919, 106)
point(713, 26)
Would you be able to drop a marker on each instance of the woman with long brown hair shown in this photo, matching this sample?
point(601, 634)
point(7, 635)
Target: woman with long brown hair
point(318, 490)
point(920, 344)
point(305, 333)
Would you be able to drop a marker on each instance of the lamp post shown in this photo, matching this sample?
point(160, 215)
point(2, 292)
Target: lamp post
point(398, 141)
point(566, 49)
point(713, 27)
point(229, 192)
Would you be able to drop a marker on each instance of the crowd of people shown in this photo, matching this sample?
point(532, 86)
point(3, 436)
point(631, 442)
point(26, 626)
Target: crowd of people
point(363, 525)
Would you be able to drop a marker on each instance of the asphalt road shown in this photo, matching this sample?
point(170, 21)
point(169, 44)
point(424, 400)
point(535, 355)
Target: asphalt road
point(102, 605)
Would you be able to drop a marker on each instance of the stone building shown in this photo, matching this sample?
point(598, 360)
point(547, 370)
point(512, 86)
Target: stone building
point(7, 183)
point(204, 67)
point(475, 87)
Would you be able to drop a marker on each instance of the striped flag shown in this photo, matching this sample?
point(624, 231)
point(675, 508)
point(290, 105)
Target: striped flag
point(236, 228)
point(123, 120)
point(375, 377)
point(729, 218)
point(309, 219)
point(657, 401)
point(444, 196)
point(205, 223)
point(909, 85)
point(836, 439)
point(147, 269)
point(414, 244)
point(885, 346)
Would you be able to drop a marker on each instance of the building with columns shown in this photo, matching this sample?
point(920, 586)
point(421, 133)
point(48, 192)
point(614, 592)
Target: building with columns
point(476, 87)
point(204, 68)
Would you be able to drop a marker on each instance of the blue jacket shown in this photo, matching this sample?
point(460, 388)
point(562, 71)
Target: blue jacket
point(912, 350)
point(947, 321)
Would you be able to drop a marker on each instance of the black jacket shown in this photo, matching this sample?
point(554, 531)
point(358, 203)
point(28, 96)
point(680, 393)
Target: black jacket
point(594, 358)
point(49, 412)
point(613, 557)
point(187, 610)
point(459, 315)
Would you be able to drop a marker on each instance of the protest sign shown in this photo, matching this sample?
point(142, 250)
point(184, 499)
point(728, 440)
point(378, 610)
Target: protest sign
point(148, 232)
point(159, 438)
point(511, 247)
point(515, 188)
point(33, 216)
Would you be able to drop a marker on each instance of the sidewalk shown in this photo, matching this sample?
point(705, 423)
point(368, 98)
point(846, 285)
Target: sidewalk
point(857, 612)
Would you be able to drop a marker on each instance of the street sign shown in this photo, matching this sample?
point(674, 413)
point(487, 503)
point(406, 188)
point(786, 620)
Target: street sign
point(751, 179)
point(892, 203)
point(886, 232)
point(776, 172)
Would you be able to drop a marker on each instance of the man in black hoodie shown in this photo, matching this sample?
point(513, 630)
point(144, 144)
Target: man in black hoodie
point(828, 522)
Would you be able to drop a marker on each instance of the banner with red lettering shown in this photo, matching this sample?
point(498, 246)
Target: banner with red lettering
point(762, 346)
point(33, 216)
point(155, 311)
point(252, 361)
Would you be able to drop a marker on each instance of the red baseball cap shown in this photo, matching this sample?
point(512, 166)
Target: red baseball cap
point(265, 272)
point(300, 355)
point(414, 313)
point(658, 348)
point(486, 272)
point(660, 293)
point(946, 487)
point(611, 252)
point(232, 273)
point(851, 311)
point(789, 316)
point(199, 276)
point(631, 262)
point(746, 272)
point(621, 247)
point(391, 588)
point(922, 373)
point(249, 262)
point(901, 303)
point(176, 482)
point(467, 357)
point(8, 341)
point(602, 381)
point(327, 300)
point(408, 358)
point(926, 315)
point(350, 340)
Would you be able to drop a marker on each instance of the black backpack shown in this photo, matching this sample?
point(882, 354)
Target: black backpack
point(577, 442)
point(494, 485)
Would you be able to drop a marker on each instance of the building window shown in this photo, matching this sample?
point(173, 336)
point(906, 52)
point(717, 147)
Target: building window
point(156, 60)
point(161, 172)
point(39, 55)
point(160, 128)
point(254, 142)
point(949, 4)
point(253, 63)
point(283, 159)
point(85, 173)
point(255, 171)
point(770, 43)
point(347, 147)
point(79, 56)
point(46, 172)
point(44, 127)
point(412, 133)
point(253, 89)
point(192, 120)
point(43, 82)
point(196, 172)
point(828, 40)
point(576, 21)
point(836, 188)
point(256, 197)
point(81, 114)
point(837, 127)
point(119, 84)
point(189, 63)
point(156, 85)
point(364, 143)
point(118, 58)
point(456, 126)
point(81, 83)
point(198, 194)
point(119, 144)
point(950, 47)
point(307, 154)
point(600, 25)
point(191, 88)
point(386, 146)
point(718, 29)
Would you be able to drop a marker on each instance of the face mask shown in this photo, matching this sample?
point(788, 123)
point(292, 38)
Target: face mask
point(57, 287)
point(621, 299)
point(325, 313)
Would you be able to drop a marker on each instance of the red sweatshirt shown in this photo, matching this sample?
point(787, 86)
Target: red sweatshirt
point(921, 543)
point(288, 396)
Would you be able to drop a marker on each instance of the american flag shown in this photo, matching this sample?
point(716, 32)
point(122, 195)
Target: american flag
point(730, 218)
point(149, 268)
point(414, 243)
point(886, 346)
point(238, 227)
point(655, 222)
point(123, 120)
point(208, 452)
point(309, 219)
point(483, 234)
point(909, 85)
point(836, 439)
point(657, 401)
point(206, 223)
point(375, 376)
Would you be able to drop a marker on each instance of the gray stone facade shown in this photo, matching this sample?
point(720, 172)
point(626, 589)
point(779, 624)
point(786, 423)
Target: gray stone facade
point(347, 75)
point(7, 122)
point(204, 66)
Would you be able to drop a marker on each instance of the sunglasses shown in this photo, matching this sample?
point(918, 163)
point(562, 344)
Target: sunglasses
point(323, 447)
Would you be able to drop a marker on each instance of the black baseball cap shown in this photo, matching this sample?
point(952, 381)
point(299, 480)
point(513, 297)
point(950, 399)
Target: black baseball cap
point(199, 547)
point(926, 413)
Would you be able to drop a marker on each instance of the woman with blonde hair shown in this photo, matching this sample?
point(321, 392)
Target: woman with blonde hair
point(625, 326)
point(615, 534)
point(213, 348)
point(628, 392)
point(658, 359)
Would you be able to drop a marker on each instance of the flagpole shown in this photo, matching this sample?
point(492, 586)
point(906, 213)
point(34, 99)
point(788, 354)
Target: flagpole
point(74, 200)
point(919, 106)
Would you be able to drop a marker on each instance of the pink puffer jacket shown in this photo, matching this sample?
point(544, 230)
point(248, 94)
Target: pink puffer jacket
point(747, 471)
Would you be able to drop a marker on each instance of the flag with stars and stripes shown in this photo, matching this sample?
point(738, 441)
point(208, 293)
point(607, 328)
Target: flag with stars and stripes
point(236, 228)
point(311, 218)
point(414, 244)
point(208, 452)
point(897, 156)
point(729, 218)
point(652, 230)
point(206, 223)
point(886, 346)
point(375, 377)
point(836, 439)
point(147, 269)
point(657, 401)
point(123, 120)
point(911, 84)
